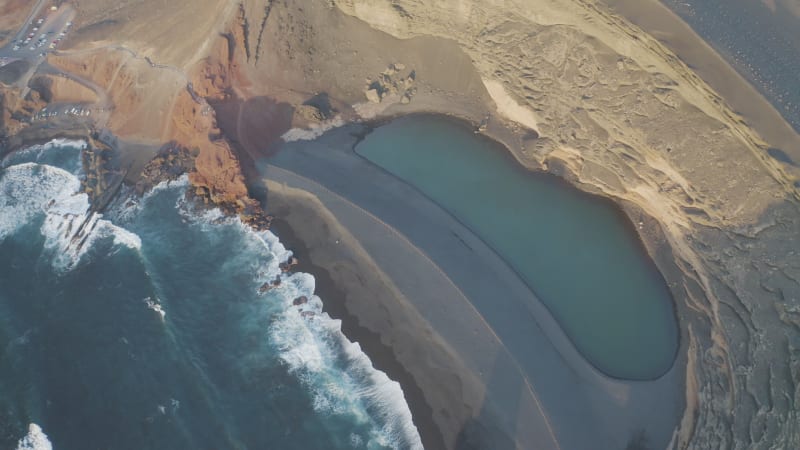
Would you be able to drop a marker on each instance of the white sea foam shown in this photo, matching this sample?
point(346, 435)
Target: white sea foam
point(24, 194)
point(155, 306)
point(70, 229)
point(339, 376)
point(314, 130)
point(35, 440)
point(35, 151)
point(39, 153)
point(127, 211)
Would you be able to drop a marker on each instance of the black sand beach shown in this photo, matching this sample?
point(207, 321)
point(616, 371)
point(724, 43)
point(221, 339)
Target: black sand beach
point(335, 292)
point(493, 333)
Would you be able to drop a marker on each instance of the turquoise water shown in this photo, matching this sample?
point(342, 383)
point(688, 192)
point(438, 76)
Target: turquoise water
point(576, 251)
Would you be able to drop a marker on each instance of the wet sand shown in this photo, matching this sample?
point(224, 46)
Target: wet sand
point(338, 288)
point(497, 372)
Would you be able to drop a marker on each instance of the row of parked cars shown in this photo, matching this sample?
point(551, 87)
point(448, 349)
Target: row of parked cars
point(75, 111)
point(43, 38)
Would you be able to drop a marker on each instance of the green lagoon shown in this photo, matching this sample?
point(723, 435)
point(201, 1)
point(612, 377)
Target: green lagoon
point(578, 253)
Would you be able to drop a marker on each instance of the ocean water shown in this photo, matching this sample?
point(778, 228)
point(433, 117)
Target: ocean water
point(578, 253)
point(145, 328)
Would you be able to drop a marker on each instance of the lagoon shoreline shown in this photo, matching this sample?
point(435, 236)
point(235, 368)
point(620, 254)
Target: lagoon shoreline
point(586, 381)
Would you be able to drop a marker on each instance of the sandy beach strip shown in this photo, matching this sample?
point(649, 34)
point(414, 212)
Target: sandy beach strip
point(658, 20)
point(447, 395)
point(539, 389)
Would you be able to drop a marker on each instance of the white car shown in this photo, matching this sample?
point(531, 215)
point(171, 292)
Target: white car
point(16, 47)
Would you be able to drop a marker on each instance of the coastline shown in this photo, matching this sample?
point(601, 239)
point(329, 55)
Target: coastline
point(649, 239)
point(705, 250)
point(551, 374)
point(334, 293)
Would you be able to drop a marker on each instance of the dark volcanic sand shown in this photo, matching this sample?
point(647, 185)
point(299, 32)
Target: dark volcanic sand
point(382, 357)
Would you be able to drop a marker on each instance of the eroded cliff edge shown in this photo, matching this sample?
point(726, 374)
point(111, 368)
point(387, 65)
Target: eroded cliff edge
point(565, 85)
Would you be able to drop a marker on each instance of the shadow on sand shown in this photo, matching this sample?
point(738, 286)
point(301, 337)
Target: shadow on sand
point(504, 421)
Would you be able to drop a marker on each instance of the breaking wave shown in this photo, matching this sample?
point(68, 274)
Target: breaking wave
point(31, 191)
point(338, 375)
point(34, 440)
point(64, 153)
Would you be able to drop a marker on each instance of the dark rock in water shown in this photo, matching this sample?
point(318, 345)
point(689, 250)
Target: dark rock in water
point(287, 266)
point(265, 288)
point(307, 314)
point(171, 161)
point(300, 300)
point(276, 282)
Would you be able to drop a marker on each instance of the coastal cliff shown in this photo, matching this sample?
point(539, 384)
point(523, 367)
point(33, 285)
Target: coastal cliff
point(575, 90)
point(567, 86)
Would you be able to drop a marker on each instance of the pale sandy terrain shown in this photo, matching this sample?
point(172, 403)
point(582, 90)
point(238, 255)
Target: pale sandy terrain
point(539, 389)
point(617, 113)
point(667, 143)
point(69, 91)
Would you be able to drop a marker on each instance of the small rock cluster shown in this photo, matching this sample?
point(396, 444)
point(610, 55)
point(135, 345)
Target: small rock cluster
point(390, 83)
point(285, 267)
point(172, 161)
point(97, 181)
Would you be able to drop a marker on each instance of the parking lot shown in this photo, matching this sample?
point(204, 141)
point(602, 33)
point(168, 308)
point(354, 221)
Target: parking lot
point(45, 31)
point(66, 110)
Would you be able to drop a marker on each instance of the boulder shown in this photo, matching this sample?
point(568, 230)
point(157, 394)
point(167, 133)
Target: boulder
point(373, 95)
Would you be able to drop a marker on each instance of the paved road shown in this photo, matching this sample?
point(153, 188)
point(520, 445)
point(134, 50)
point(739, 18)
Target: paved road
point(35, 51)
point(37, 7)
point(44, 35)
